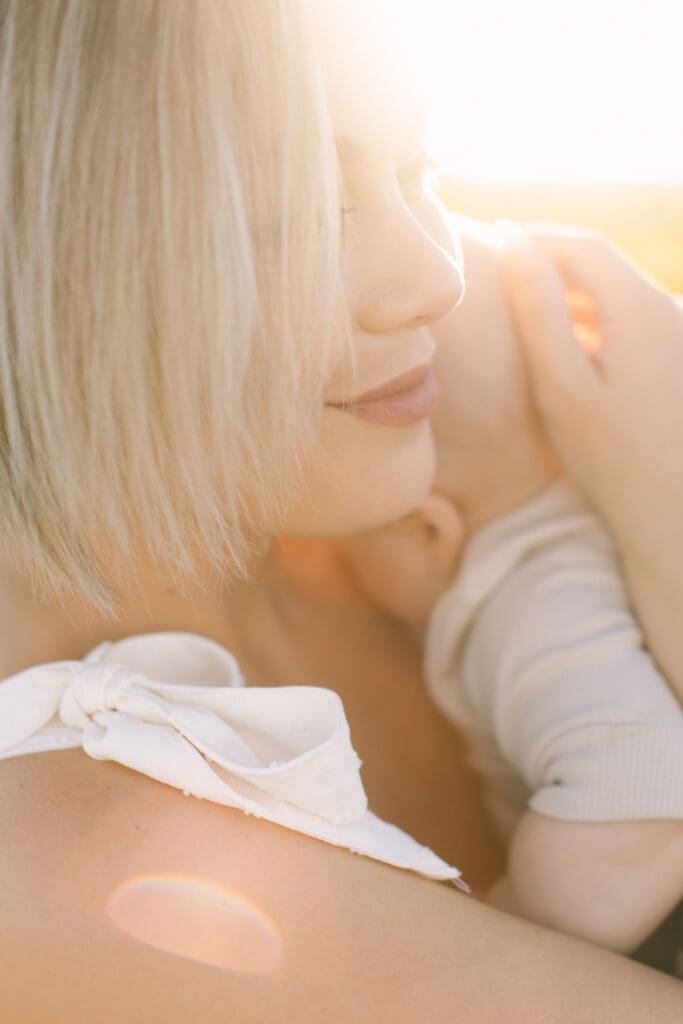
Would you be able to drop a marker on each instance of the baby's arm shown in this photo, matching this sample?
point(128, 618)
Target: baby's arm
point(611, 883)
point(553, 666)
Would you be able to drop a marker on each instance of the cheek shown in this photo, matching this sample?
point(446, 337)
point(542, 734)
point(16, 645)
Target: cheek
point(362, 476)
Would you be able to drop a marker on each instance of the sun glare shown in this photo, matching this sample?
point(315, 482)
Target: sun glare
point(530, 90)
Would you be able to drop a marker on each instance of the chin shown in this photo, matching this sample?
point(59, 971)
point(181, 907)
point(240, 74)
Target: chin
point(398, 484)
point(377, 475)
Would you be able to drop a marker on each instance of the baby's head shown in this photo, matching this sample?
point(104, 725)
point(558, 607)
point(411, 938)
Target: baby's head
point(490, 452)
point(406, 566)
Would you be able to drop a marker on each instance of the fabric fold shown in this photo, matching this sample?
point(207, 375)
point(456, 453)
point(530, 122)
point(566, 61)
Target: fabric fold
point(174, 706)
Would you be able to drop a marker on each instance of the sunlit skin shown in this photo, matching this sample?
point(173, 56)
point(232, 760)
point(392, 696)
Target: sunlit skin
point(190, 917)
point(492, 454)
point(402, 273)
point(492, 457)
point(106, 825)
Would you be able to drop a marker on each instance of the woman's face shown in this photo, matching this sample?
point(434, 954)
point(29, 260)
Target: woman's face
point(401, 273)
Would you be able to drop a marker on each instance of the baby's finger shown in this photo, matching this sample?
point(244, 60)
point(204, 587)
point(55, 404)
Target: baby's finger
point(590, 263)
point(559, 366)
point(585, 320)
point(581, 304)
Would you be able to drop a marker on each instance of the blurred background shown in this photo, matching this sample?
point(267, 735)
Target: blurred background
point(543, 110)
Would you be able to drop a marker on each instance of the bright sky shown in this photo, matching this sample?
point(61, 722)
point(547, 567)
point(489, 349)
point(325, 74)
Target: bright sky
point(558, 90)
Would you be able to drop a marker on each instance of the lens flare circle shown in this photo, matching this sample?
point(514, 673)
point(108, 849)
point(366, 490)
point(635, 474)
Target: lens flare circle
point(197, 919)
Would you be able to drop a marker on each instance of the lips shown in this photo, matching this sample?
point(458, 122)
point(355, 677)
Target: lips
point(404, 400)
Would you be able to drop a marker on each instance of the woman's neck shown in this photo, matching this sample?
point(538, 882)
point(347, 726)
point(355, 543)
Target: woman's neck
point(262, 621)
point(65, 627)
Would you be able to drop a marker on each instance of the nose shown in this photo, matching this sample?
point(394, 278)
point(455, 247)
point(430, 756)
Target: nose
point(411, 275)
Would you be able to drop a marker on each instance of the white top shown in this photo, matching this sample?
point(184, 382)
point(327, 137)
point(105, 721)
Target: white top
point(174, 706)
point(536, 652)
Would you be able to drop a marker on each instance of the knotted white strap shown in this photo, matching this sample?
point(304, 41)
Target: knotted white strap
point(174, 706)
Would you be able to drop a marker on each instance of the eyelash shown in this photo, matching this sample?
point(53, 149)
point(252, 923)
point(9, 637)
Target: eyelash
point(412, 178)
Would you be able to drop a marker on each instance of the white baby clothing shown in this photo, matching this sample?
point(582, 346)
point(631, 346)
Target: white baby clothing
point(535, 651)
point(174, 706)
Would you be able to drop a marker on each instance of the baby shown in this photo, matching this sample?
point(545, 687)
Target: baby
point(531, 647)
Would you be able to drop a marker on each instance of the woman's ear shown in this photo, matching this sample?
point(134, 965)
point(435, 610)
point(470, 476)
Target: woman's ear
point(443, 529)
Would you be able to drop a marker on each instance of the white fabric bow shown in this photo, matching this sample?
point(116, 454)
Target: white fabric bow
point(174, 706)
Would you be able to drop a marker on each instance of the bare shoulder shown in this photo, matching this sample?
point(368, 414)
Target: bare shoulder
point(356, 941)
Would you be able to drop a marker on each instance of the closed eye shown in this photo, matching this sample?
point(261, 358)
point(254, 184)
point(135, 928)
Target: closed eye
point(413, 179)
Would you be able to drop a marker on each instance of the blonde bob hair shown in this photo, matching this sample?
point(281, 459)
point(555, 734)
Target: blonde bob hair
point(169, 237)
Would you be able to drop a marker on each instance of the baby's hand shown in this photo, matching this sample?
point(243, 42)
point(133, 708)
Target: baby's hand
point(491, 452)
point(614, 412)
